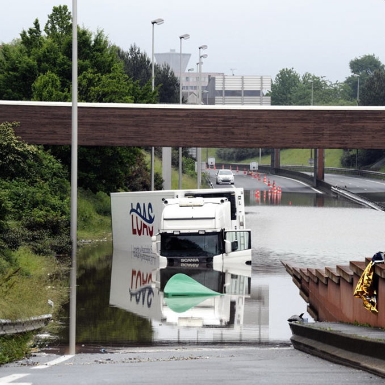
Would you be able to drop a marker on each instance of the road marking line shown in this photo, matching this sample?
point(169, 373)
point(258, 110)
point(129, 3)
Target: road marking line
point(14, 377)
point(15, 383)
point(54, 362)
point(300, 182)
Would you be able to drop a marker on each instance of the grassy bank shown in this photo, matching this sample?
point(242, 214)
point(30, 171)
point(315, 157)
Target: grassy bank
point(292, 157)
point(188, 182)
point(14, 347)
point(29, 281)
point(25, 289)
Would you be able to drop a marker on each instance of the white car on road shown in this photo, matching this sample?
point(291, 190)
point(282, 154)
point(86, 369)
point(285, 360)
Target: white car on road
point(225, 176)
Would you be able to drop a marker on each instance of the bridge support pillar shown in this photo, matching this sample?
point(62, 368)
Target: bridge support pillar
point(319, 164)
point(166, 167)
point(275, 159)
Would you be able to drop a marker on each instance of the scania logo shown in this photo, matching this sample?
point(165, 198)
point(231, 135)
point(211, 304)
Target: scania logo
point(142, 219)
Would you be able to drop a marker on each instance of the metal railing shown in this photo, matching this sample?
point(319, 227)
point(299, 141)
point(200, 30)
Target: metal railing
point(23, 325)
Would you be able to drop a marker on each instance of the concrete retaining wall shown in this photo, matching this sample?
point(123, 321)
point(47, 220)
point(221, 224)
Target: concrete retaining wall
point(329, 292)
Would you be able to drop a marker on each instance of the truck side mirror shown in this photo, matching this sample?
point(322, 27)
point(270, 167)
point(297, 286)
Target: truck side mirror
point(230, 246)
point(154, 245)
point(227, 247)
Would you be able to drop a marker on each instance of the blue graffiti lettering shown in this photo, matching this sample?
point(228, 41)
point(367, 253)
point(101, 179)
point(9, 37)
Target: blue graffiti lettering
point(141, 294)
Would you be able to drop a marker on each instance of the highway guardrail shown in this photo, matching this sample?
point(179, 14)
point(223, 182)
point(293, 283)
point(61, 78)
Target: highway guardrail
point(23, 325)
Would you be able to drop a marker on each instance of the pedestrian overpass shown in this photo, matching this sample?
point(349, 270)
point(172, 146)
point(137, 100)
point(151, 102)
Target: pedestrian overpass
point(174, 125)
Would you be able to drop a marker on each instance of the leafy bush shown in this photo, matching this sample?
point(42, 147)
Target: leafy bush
point(365, 157)
point(14, 347)
point(189, 167)
point(93, 214)
point(34, 198)
point(239, 154)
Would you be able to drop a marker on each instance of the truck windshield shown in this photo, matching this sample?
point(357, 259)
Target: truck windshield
point(198, 245)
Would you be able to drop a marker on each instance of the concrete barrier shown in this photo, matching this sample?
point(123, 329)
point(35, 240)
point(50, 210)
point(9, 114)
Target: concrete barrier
point(23, 325)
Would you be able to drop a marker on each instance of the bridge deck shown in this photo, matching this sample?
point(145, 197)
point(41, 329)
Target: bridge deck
point(199, 126)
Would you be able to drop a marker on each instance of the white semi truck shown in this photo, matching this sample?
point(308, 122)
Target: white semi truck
point(196, 232)
point(182, 226)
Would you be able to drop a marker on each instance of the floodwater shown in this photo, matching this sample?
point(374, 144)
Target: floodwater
point(308, 230)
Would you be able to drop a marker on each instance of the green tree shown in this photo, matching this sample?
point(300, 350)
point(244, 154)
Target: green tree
point(35, 194)
point(365, 65)
point(284, 87)
point(373, 92)
point(33, 39)
point(59, 24)
point(168, 84)
point(17, 73)
point(38, 67)
point(137, 66)
point(47, 87)
point(289, 88)
point(362, 68)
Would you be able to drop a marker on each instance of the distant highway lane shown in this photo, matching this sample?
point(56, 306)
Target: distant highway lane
point(250, 183)
point(354, 184)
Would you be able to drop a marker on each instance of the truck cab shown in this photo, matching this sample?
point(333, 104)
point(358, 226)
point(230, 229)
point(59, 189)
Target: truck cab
point(199, 230)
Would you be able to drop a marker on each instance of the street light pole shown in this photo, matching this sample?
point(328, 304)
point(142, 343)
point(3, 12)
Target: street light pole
point(185, 37)
point(200, 76)
point(312, 92)
point(358, 90)
point(188, 88)
point(358, 103)
point(181, 37)
point(311, 103)
point(199, 150)
point(202, 47)
point(74, 180)
point(153, 22)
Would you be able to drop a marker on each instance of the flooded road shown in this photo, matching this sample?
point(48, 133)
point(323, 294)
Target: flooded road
point(252, 306)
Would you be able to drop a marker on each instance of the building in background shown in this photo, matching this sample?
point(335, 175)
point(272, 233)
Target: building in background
point(172, 58)
point(217, 88)
point(190, 86)
point(238, 90)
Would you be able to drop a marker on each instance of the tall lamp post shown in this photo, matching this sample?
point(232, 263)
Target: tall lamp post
point(188, 90)
point(358, 88)
point(181, 37)
point(312, 93)
point(74, 180)
point(199, 152)
point(200, 76)
point(311, 103)
point(153, 22)
point(202, 47)
point(358, 103)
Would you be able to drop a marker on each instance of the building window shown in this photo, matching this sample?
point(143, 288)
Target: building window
point(238, 93)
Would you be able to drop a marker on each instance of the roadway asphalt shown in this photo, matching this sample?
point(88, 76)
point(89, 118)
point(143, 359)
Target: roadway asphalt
point(325, 353)
point(185, 365)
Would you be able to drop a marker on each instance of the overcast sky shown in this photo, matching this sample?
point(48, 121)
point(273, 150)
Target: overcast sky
point(251, 36)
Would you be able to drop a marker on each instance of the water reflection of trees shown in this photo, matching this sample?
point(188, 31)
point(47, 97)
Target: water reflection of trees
point(97, 321)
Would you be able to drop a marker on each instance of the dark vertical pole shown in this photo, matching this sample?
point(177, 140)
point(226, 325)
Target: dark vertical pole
point(74, 179)
point(321, 164)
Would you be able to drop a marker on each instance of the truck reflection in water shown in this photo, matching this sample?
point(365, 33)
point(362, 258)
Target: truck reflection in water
point(180, 298)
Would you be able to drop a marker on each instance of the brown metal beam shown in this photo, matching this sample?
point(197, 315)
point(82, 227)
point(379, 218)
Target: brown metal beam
point(203, 126)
